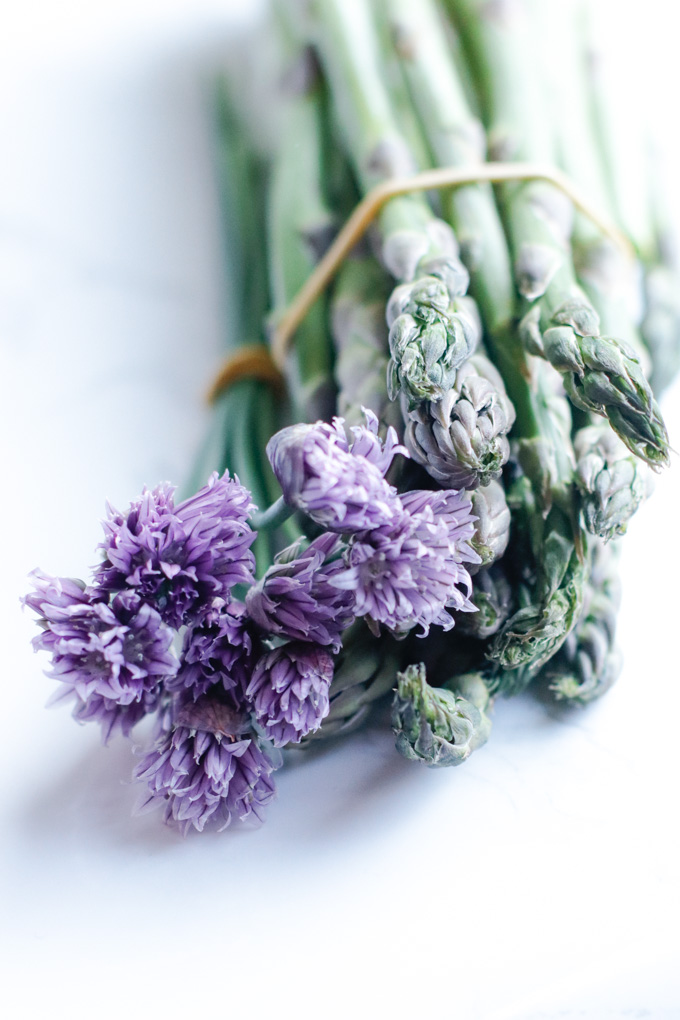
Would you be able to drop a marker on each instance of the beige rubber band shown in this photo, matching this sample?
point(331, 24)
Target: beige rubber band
point(287, 322)
point(249, 362)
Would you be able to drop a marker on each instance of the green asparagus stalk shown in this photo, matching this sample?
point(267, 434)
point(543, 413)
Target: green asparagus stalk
point(600, 374)
point(492, 527)
point(661, 323)
point(300, 227)
point(612, 481)
point(641, 202)
point(609, 276)
point(548, 509)
point(360, 337)
point(433, 327)
point(589, 662)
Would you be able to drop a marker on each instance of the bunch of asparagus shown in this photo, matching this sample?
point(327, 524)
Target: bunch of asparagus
point(509, 357)
point(460, 540)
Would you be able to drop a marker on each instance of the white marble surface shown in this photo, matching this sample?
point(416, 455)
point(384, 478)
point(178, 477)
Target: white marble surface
point(539, 880)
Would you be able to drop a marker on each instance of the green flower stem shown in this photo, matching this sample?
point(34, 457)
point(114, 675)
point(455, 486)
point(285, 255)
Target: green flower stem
point(273, 516)
point(248, 412)
point(300, 226)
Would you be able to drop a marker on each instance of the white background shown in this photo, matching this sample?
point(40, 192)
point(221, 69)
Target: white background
point(539, 880)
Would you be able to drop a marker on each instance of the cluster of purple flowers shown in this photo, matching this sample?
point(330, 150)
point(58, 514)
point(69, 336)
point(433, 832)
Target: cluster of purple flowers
point(403, 558)
point(159, 629)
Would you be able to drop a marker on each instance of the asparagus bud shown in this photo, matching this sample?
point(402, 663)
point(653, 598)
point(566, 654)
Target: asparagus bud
point(436, 725)
point(433, 330)
point(600, 374)
point(552, 605)
point(588, 662)
point(492, 598)
point(492, 527)
point(612, 483)
point(461, 440)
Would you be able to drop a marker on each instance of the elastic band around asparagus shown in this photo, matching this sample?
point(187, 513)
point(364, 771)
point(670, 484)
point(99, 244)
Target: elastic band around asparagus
point(253, 361)
point(283, 329)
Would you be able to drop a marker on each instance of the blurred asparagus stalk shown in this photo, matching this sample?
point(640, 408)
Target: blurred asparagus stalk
point(600, 374)
point(300, 227)
point(612, 481)
point(640, 194)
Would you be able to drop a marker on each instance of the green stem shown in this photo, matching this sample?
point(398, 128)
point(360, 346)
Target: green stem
point(273, 516)
point(606, 274)
point(300, 226)
point(349, 49)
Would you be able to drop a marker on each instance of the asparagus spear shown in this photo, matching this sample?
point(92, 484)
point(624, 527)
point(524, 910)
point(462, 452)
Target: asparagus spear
point(613, 483)
point(433, 327)
point(492, 527)
point(545, 501)
point(492, 598)
point(600, 374)
point(588, 663)
point(300, 226)
point(641, 200)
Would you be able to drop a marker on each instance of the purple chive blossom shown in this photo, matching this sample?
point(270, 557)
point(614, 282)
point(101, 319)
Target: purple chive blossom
point(178, 558)
point(112, 658)
point(289, 691)
point(217, 651)
point(408, 575)
point(112, 717)
point(296, 597)
point(340, 486)
point(207, 768)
